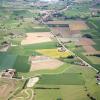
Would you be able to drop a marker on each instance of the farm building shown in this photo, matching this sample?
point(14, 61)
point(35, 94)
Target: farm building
point(8, 73)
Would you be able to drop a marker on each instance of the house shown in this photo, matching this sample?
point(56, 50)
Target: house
point(8, 73)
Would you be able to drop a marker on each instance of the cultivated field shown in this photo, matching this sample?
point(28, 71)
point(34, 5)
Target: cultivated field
point(54, 86)
point(64, 32)
point(33, 38)
point(62, 79)
point(48, 72)
point(85, 42)
point(58, 22)
point(78, 25)
point(44, 63)
point(54, 53)
point(89, 49)
point(7, 87)
point(94, 59)
point(7, 60)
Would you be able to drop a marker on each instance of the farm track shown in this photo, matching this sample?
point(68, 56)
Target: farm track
point(28, 97)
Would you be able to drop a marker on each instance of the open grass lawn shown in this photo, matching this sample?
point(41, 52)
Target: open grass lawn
point(7, 61)
point(22, 64)
point(62, 79)
point(30, 49)
point(54, 53)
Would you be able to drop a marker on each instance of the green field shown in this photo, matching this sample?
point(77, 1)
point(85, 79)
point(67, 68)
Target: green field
point(18, 21)
point(54, 90)
point(17, 56)
point(62, 79)
point(71, 81)
point(7, 61)
point(22, 64)
point(94, 59)
point(30, 49)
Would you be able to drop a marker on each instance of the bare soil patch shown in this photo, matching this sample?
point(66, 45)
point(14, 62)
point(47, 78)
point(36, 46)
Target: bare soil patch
point(57, 22)
point(89, 49)
point(33, 38)
point(6, 87)
point(85, 42)
point(78, 25)
point(43, 62)
point(64, 32)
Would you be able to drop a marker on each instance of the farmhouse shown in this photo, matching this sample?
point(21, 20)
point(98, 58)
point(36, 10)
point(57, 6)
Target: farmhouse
point(94, 11)
point(8, 73)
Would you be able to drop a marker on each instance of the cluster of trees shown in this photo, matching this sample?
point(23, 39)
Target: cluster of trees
point(88, 36)
point(59, 98)
point(45, 88)
point(91, 97)
point(58, 25)
point(97, 55)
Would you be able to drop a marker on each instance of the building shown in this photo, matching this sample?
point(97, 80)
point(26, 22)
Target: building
point(8, 73)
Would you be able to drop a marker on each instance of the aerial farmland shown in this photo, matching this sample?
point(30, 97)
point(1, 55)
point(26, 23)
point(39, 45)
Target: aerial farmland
point(49, 49)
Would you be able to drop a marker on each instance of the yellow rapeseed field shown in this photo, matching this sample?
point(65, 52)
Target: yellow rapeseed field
point(54, 53)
